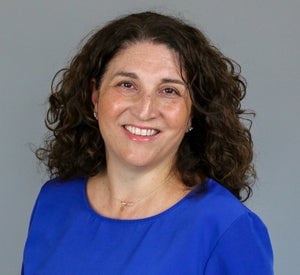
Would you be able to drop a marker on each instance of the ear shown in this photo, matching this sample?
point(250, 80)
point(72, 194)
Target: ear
point(189, 126)
point(95, 95)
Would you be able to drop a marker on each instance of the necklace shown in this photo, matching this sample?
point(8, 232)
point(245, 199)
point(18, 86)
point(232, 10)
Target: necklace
point(132, 203)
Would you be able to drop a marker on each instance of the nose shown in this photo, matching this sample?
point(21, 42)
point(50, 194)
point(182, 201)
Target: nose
point(146, 107)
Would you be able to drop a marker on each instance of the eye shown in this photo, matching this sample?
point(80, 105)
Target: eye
point(125, 84)
point(170, 91)
point(127, 88)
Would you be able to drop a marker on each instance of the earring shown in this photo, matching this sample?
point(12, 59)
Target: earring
point(189, 126)
point(95, 115)
point(189, 129)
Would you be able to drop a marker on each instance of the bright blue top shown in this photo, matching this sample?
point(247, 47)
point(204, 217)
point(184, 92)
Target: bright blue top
point(207, 232)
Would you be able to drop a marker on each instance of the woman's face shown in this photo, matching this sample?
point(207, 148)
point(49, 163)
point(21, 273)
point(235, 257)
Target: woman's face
point(143, 106)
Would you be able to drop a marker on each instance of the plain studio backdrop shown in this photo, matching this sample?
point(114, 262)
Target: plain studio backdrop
point(39, 37)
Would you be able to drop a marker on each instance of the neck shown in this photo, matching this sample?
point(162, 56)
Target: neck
point(144, 192)
point(130, 182)
point(127, 186)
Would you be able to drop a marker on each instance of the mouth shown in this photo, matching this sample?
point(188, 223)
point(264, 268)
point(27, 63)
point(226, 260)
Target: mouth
point(144, 132)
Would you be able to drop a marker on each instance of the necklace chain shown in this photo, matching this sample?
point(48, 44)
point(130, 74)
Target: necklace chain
point(132, 203)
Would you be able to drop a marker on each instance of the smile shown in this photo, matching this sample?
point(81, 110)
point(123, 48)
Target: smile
point(141, 132)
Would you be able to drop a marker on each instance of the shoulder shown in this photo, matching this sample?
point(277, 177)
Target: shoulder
point(240, 240)
point(57, 187)
point(219, 210)
point(215, 203)
point(57, 195)
point(56, 200)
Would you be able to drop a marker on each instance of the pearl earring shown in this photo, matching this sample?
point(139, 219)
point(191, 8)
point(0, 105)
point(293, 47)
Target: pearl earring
point(95, 115)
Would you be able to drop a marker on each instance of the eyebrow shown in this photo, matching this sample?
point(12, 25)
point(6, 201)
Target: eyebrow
point(127, 74)
point(164, 80)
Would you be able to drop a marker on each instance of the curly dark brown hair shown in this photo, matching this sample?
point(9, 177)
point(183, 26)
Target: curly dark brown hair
point(220, 144)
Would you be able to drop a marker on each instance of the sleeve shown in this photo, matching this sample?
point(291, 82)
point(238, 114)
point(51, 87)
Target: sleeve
point(26, 261)
point(244, 248)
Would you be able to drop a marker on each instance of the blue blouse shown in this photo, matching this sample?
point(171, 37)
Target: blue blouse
point(207, 232)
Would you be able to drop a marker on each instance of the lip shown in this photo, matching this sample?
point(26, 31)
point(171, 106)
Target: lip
point(140, 133)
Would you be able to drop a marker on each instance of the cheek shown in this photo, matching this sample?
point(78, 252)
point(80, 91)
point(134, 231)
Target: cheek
point(109, 105)
point(178, 114)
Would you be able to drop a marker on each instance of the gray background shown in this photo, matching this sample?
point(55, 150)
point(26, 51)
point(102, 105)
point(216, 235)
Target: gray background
point(39, 37)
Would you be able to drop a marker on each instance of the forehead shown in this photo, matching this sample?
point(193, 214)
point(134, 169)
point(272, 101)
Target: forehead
point(146, 54)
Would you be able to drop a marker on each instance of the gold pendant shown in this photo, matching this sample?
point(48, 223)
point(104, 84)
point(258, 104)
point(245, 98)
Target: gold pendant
point(127, 203)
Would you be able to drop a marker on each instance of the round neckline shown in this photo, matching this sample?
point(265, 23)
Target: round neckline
point(138, 220)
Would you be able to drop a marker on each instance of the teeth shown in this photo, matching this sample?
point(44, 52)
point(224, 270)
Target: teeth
point(140, 132)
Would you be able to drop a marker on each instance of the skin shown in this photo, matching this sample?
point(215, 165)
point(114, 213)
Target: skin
point(143, 109)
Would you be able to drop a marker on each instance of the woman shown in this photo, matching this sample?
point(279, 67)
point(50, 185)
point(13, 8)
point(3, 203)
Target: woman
point(149, 159)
